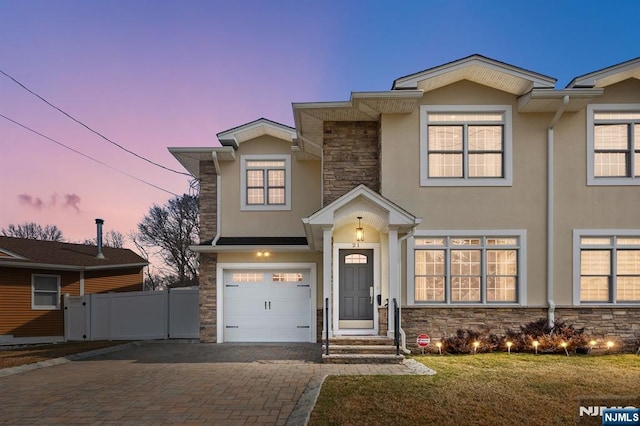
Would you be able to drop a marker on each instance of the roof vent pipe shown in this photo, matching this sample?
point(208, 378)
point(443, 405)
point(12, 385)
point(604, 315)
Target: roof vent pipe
point(99, 223)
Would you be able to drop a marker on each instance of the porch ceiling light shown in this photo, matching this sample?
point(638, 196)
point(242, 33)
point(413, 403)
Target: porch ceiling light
point(359, 231)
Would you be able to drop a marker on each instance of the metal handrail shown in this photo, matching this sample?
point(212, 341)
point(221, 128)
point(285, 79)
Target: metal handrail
point(326, 324)
point(396, 325)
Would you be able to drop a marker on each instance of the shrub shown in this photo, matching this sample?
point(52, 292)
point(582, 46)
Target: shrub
point(463, 342)
point(549, 338)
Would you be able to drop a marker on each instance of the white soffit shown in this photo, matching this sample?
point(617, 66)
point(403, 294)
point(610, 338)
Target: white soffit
point(363, 106)
point(608, 76)
point(478, 69)
point(190, 157)
point(547, 100)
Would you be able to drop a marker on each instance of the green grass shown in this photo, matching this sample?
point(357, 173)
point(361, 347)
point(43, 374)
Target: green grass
point(485, 389)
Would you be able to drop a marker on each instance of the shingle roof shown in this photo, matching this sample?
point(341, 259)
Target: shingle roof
point(15, 251)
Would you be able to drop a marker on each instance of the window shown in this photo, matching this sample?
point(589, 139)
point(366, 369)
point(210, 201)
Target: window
point(607, 267)
point(465, 145)
point(247, 277)
point(45, 292)
point(266, 182)
point(355, 258)
point(459, 269)
point(613, 140)
point(287, 277)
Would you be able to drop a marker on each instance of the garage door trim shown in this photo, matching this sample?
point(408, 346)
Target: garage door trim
point(220, 270)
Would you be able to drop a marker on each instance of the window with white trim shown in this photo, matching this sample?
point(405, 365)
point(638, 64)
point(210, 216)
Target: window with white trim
point(465, 145)
point(45, 291)
point(608, 267)
point(265, 182)
point(613, 140)
point(471, 269)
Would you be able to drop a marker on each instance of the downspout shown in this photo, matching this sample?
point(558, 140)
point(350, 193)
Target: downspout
point(214, 156)
point(550, 212)
point(403, 335)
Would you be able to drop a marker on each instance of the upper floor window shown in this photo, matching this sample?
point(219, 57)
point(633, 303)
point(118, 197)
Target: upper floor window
point(607, 266)
point(613, 140)
point(465, 145)
point(266, 182)
point(464, 268)
point(45, 291)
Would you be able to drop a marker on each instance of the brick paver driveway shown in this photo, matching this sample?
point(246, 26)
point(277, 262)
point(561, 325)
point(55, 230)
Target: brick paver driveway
point(156, 383)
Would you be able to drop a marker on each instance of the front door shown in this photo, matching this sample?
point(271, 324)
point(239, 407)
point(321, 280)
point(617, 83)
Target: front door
point(356, 288)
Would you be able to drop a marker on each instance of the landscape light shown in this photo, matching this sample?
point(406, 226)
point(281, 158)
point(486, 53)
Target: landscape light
point(564, 346)
point(509, 346)
point(475, 346)
point(609, 344)
point(535, 346)
point(439, 345)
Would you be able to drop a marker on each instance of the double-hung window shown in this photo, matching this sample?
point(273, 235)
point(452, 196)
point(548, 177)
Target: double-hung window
point(266, 182)
point(458, 268)
point(613, 139)
point(45, 291)
point(606, 267)
point(465, 145)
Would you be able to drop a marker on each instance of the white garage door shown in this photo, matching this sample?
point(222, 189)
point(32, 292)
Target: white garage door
point(267, 306)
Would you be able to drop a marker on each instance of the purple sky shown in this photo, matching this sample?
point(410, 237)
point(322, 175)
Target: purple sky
point(153, 74)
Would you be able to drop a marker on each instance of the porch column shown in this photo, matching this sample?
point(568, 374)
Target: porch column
point(394, 277)
point(326, 279)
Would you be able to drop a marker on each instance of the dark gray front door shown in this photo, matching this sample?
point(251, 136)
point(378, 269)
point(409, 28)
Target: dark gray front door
point(356, 281)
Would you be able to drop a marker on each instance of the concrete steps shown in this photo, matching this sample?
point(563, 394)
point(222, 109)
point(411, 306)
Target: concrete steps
point(361, 350)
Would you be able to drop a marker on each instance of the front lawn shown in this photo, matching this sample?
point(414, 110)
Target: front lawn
point(484, 389)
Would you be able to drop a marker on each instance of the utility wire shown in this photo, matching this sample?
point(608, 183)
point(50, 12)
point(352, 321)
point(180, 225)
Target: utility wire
point(85, 155)
point(89, 128)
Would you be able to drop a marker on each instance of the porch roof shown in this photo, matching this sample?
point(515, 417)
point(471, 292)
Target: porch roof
point(375, 210)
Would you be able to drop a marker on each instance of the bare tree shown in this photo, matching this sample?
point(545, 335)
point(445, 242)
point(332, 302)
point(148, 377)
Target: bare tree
point(33, 231)
point(168, 231)
point(112, 238)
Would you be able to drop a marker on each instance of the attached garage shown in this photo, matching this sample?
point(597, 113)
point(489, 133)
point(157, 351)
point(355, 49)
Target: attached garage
point(268, 304)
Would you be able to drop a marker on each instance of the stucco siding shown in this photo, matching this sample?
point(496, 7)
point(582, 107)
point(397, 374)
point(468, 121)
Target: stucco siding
point(305, 194)
point(579, 206)
point(521, 206)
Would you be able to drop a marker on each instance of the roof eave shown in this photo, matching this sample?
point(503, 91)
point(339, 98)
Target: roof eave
point(58, 267)
point(245, 248)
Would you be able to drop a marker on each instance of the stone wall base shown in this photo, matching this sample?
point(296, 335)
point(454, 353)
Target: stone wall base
point(620, 325)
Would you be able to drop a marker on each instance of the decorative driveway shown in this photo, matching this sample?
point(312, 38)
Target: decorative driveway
point(178, 383)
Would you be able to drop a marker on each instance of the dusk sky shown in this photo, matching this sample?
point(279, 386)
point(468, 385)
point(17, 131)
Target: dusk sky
point(153, 74)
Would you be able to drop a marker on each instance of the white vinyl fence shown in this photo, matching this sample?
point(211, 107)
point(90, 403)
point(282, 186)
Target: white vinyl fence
point(138, 315)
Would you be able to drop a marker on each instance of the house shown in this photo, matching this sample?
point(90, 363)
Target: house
point(474, 194)
point(35, 275)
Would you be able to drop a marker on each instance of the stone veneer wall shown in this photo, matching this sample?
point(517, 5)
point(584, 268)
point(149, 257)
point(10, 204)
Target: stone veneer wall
point(351, 156)
point(622, 325)
point(208, 261)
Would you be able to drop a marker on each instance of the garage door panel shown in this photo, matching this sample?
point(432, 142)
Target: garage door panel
point(275, 309)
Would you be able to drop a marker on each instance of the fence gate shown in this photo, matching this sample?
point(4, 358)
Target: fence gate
point(138, 315)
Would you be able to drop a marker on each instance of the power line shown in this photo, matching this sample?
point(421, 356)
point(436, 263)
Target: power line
point(89, 128)
point(85, 155)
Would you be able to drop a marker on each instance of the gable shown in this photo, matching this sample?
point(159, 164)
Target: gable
point(479, 69)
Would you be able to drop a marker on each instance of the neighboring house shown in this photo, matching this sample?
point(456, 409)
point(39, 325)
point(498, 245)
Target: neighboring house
point(482, 197)
point(35, 276)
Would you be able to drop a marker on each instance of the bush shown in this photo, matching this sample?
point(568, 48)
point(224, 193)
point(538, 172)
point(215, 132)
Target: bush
point(550, 339)
point(463, 342)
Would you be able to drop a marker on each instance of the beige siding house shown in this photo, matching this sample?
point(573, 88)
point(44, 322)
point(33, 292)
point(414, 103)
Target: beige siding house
point(474, 194)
